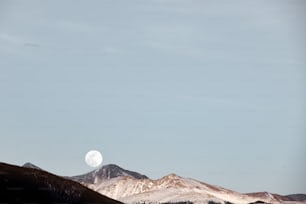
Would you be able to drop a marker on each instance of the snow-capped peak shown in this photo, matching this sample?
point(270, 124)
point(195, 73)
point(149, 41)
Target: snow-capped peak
point(105, 173)
point(171, 176)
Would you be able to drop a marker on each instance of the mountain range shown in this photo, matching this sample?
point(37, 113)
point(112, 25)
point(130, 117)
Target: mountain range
point(132, 187)
point(111, 182)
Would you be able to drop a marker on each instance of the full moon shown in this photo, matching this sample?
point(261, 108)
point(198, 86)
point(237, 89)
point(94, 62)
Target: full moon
point(93, 158)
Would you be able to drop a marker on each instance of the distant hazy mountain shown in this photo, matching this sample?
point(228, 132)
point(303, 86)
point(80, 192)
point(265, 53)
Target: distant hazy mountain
point(30, 165)
point(31, 185)
point(297, 197)
point(267, 196)
point(105, 173)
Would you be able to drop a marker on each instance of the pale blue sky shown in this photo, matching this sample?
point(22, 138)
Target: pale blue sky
point(213, 90)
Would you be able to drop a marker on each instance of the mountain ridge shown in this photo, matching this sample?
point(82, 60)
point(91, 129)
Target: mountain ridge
point(174, 188)
point(132, 187)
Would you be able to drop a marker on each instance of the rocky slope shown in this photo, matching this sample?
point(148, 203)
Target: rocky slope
point(128, 187)
point(171, 188)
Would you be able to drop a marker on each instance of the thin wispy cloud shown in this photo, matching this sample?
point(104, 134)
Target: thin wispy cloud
point(13, 39)
point(17, 40)
point(33, 45)
point(74, 27)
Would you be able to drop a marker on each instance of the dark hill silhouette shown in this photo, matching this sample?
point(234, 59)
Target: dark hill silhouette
point(28, 185)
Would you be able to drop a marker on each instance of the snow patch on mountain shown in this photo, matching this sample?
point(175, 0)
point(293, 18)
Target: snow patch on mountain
point(171, 188)
point(105, 173)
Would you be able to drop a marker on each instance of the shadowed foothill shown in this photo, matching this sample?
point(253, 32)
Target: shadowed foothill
point(31, 185)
